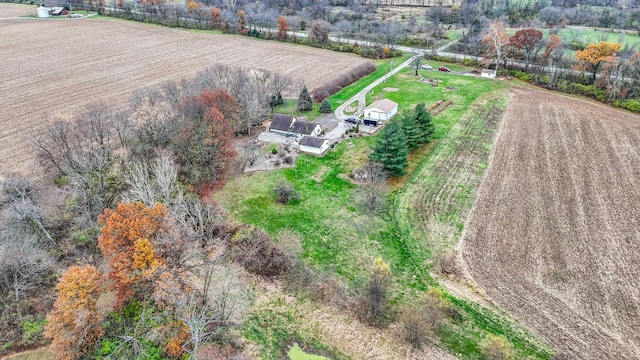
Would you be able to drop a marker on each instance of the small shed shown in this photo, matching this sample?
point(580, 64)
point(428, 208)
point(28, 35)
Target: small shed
point(488, 73)
point(314, 145)
point(383, 109)
point(42, 12)
point(306, 128)
point(282, 124)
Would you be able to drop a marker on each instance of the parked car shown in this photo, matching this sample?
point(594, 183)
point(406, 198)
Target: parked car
point(426, 67)
point(444, 68)
point(353, 120)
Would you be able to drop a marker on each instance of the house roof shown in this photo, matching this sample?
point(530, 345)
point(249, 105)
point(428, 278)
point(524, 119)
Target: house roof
point(303, 127)
point(312, 141)
point(488, 71)
point(385, 105)
point(281, 122)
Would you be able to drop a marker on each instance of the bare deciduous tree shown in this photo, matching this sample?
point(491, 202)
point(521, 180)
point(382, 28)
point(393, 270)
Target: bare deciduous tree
point(496, 41)
point(23, 267)
point(199, 318)
point(372, 194)
point(84, 150)
point(18, 194)
point(226, 294)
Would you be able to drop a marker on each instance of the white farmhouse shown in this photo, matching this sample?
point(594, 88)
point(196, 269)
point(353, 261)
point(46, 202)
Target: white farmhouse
point(314, 145)
point(289, 125)
point(381, 110)
point(306, 128)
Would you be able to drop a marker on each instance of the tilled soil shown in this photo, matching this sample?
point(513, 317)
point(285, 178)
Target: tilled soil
point(13, 10)
point(60, 65)
point(554, 236)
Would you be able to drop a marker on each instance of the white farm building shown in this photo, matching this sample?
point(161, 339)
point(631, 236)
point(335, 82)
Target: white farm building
point(488, 73)
point(381, 110)
point(314, 145)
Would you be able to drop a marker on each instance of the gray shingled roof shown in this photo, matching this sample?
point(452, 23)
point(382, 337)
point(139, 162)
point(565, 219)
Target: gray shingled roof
point(312, 141)
point(281, 122)
point(303, 127)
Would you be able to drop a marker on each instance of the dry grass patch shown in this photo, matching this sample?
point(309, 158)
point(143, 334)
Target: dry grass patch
point(37, 354)
point(320, 174)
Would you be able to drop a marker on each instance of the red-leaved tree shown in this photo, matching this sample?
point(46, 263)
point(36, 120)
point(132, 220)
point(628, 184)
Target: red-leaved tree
point(203, 143)
point(525, 45)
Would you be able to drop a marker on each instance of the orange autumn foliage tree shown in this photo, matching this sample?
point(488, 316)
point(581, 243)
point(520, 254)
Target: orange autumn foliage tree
point(216, 17)
point(283, 27)
point(595, 55)
point(74, 325)
point(126, 240)
point(180, 334)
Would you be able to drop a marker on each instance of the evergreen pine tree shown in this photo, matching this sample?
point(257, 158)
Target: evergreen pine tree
point(391, 149)
point(275, 100)
point(423, 119)
point(325, 107)
point(411, 129)
point(304, 100)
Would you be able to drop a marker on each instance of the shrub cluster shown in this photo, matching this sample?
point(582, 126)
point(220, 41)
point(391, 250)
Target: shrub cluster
point(588, 90)
point(333, 86)
point(256, 251)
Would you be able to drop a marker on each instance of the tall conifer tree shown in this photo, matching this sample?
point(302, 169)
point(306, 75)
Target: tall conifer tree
point(391, 149)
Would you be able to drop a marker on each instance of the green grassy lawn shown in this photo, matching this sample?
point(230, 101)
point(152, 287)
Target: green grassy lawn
point(295, 353)
point(339, 237)
point(290, 107)
point(276, 327)
point(589, 35)
point(336, 234)
point(382, 67)
point(412, 91)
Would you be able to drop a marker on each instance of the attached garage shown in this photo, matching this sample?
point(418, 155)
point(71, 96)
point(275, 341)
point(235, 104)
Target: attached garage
point(381, 110)
point(314, 145)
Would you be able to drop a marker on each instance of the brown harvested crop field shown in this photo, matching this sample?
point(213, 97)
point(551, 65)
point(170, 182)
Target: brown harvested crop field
point(554, 235)
point(59, 65)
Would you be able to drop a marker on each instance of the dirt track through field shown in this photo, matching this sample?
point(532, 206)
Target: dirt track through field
point(554, 236)
point(60, 65)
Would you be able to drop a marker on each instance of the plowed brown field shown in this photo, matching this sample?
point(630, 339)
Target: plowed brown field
point(13, 10)
point(59, 65)
point(554, 236)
